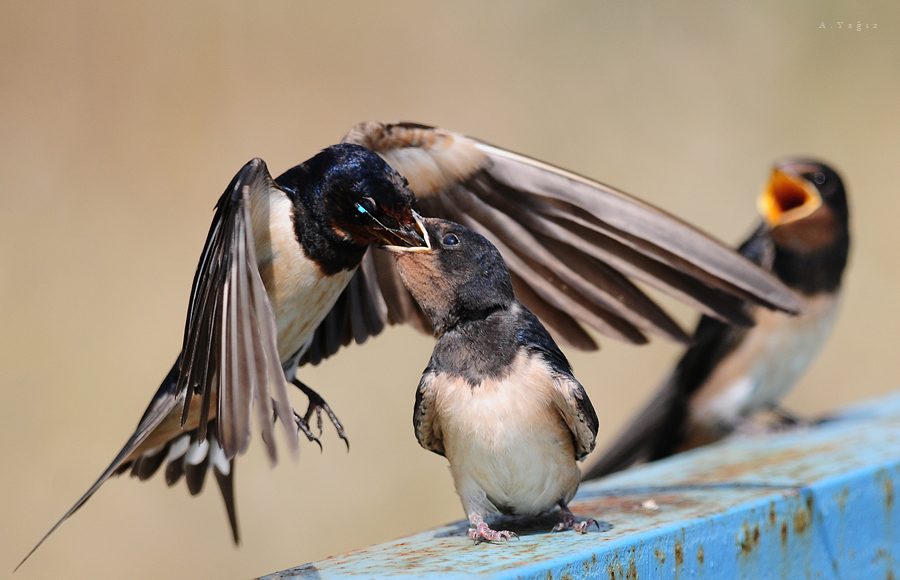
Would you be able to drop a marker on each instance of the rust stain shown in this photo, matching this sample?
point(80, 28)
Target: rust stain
point(841, 498)
point(615, 570)
point(784, 533)
point(888, 486)
point(700, 555)
point(632, 573)
point(890, 575)
point(679, 554)
point(773, 517)
point(748, 538)
point(803, 516)
point(753, 464)
point(660, 556)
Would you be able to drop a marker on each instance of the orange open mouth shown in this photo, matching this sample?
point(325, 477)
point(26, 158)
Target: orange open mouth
point(787, 198)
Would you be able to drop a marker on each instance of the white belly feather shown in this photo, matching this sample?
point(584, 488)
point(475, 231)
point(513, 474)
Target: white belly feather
point(772, 358)
point(303, 296)
point(508, 446)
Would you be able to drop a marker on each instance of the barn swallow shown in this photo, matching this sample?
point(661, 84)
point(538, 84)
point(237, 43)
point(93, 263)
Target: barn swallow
point(498, 398)
point(732, 373)
point(285, 279)
point(278, 254)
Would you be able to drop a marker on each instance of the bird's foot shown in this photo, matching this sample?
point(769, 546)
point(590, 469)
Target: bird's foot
point(303, 427)
point(788, 420)
point(770, 422)
point(317, 406)
point(483, 532)
point(570, 522)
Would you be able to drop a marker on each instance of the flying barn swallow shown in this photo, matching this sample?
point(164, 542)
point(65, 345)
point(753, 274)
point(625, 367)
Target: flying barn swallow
point(730, 373)
point(285, 279)
point(498, 398)
point(278, 255)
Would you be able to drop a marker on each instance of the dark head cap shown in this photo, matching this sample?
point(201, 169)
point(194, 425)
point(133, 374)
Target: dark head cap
point(462, 277)
point(360, 197)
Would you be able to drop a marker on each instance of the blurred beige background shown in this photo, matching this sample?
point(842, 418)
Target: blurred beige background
point(121, 124)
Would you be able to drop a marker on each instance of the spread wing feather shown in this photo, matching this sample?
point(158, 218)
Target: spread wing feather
point(230, 355)
point(572, 245)
point(659, 429)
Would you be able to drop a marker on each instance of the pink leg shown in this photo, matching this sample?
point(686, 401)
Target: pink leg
point(481, 531)
point(570, 522)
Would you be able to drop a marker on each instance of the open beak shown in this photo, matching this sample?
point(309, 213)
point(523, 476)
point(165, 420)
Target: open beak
point(407, 238)
point(787, 198)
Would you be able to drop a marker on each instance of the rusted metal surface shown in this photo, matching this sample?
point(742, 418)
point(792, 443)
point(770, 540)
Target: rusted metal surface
point(815, 503)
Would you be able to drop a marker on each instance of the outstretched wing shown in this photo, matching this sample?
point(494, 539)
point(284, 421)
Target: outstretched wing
point(229, 360)
point(230, 356)
point(573, 246)
point(659, 429)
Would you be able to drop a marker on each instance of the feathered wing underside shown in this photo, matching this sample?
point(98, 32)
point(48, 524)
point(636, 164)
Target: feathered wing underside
point(229, 359)
point(659, 428)
point(190, 458)
point(427, 428)
point(230, 355)
point(573, 245)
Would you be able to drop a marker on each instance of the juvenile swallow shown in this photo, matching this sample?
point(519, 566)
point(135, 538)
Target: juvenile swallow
point(731, 373)
point(285, 279)
point(498, 398)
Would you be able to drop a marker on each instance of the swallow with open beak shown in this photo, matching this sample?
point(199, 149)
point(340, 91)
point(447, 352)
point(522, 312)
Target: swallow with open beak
point(498, 398)
point(731, 373)
point(285, 279)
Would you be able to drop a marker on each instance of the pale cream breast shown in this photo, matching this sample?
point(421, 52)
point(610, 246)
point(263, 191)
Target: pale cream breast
point(772, 358)
point(507, 439)
point(303, 296)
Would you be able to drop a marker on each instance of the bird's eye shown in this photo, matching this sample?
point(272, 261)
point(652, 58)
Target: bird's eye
point(819, 178)
point(366, 205)
point(450, 240)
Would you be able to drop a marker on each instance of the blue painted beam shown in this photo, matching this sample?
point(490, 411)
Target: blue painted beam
point(815, 503)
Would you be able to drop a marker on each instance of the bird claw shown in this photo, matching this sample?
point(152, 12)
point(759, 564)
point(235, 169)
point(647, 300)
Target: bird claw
point(483, 532)
point(317, 406)
point(303, 427)
point(570, 522)
point(579, 526)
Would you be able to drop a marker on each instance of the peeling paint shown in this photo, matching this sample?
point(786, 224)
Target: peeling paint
point(723, 512)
